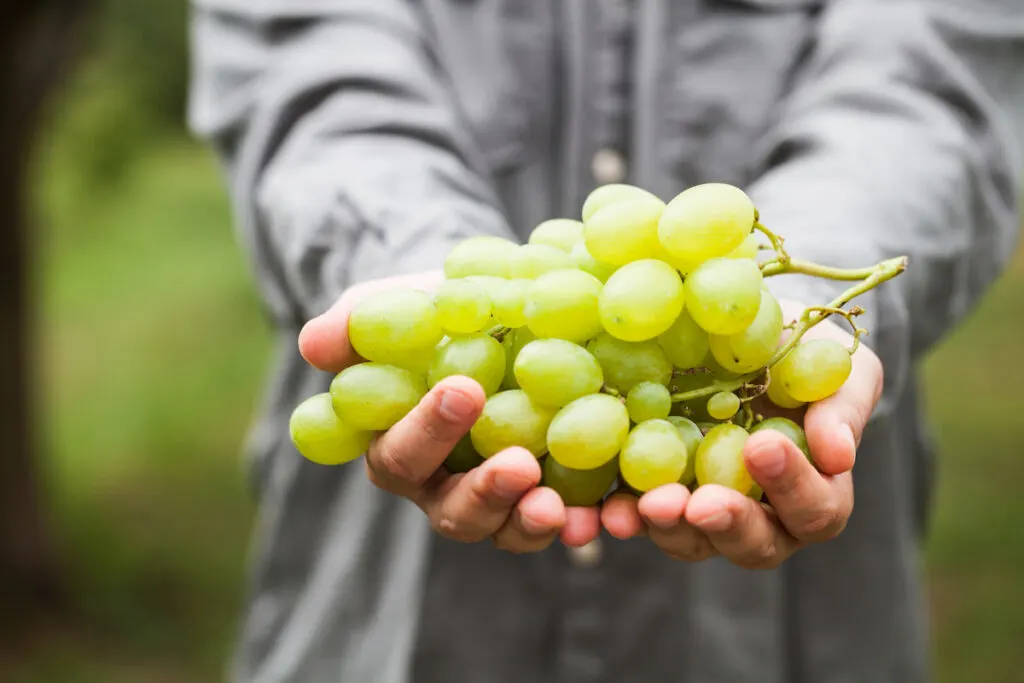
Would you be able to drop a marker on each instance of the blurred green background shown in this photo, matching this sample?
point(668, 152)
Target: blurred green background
point(153, 351)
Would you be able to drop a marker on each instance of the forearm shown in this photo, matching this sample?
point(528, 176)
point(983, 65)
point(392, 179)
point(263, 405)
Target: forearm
point(346, 154)
point(889, 146)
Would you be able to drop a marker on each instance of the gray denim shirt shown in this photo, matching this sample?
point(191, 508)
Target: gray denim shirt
point(363, 138)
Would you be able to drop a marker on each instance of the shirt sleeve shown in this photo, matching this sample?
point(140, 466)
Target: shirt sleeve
point(344, 147)
point(901, 137)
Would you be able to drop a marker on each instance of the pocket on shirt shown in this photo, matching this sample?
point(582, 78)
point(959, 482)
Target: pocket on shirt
point(731, 66)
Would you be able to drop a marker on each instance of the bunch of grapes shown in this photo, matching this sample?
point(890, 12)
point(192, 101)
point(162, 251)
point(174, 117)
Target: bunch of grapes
point(637, 347)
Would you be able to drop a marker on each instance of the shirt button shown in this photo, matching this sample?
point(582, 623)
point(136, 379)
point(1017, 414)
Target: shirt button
point(608, 166)
point(588, 555)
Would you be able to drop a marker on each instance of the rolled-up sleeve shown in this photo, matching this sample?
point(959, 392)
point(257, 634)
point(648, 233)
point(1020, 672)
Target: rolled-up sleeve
point(346, 153)
point(902, 137)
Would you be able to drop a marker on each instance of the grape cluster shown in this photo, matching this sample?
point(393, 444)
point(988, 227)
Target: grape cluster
point(637, 347)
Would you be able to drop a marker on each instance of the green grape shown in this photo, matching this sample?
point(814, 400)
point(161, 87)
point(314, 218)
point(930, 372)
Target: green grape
point(749, 248)
point(392, 327)
point(723, 295)
point(561, 233)
point(626, 364)
point(488, 284)
point(624, 231)
point(654, 455)
point(752, 348)
point(463, 457)
point(579, 488)
point(322, 437)
point(706, 221)
point(481, 255)
point(513, 343)
point(815, 370)
point(613, 193)
point(790, 429)
point(777, 393)
point(756, 492)
point(563, 305)
point(533, 260)
point(685, 343)
point(641, 300)
point(375, 396)
point(463, 306)
point(691, 435)
point(555, 372)
point(511, 418)
point(588, 264)
point(509, 302)
point(479, 357)
point(588, 432)
point(716, 369)
point(720, 459)
point(723, 405)
point(648, 401)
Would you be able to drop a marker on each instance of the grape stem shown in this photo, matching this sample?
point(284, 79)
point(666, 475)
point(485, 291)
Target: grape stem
point(730, 386)
point(748, 416)
point(605, 389)
point(781, 257)
point(886, 270)
point(869, 279)
point(499, 332)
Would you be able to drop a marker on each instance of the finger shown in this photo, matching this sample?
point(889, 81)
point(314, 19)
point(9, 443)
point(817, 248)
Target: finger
point(741, 529)
point(663, 507)
point(405, 456)
point(323, 341)
point(811, 506)
point(475, 505)
point(663, 510)
point(582, 525)
point(620, 517)
point(835, 425)
point(534, 523)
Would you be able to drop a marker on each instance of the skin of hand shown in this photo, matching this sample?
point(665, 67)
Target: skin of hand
point(500, 499)
point(808, 505)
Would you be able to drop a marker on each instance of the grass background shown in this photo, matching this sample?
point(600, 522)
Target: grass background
point(151, 353)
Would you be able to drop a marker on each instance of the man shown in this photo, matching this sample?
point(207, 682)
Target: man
point(364, 138)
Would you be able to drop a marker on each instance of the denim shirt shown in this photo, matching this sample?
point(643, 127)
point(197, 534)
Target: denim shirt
point(364, 138)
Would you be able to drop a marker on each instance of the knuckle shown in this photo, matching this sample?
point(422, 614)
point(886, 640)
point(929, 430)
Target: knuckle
point(438, 432)
point(827, 524)
point(390, 461)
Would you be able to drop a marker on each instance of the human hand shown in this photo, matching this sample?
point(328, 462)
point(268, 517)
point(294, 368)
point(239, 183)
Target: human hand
point(808, 505)
point(500, 499)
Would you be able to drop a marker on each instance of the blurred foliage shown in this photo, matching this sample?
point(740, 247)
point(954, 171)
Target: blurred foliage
point(153, 350)
point(132, 86)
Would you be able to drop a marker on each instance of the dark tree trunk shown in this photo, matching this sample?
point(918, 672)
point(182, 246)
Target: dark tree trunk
point(39, 39)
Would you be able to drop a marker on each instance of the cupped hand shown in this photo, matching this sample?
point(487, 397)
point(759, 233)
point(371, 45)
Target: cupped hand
point(807, 505)
point(500, 499)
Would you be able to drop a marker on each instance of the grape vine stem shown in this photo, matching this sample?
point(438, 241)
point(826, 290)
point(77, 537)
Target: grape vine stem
point(876, 275)
point(869, 278)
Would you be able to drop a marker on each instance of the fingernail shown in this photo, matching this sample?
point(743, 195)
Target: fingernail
point(508, 487)
point(455, 406)
point(719, 520)
point(768, 462)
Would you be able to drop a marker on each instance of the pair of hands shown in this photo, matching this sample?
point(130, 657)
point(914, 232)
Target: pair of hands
point(501, 499)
